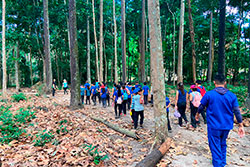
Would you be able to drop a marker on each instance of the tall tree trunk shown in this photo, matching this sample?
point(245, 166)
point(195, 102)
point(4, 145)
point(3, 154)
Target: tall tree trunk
point(124, 76)
point(44, 71)
point(210, 65)
point(4, 51)
point(106, 65)
point(112, 70)
point(96, 42)
point(180, 49)
point(57, 69)
point(88, 49)
point(74, 59)
point(101, 41)
point(157, 71)
point(191, 28)
point(173, 15)
point(115, 39)
point(17, 67)
point(47, 47)
point(222, 26)
point(31, 71)
point(142, 60)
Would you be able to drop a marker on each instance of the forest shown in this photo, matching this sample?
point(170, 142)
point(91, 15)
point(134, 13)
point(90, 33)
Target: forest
point(49, 45)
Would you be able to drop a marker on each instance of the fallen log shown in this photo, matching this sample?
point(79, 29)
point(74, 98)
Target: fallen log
point(116, 128)
point(155, 156)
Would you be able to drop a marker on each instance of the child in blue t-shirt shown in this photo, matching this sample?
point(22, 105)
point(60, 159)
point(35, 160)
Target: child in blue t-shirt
point(167, 110)
point(145, 91)
point(82, 93)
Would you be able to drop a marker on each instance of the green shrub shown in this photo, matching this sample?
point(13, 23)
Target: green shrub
point(43, 138)
point(93, 151)
point(12, 126)
point(18, 97)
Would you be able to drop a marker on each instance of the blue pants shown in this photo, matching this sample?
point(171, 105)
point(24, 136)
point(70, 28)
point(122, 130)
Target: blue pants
point(218, 146)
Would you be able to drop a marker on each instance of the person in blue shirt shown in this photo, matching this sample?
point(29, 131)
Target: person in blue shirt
point(65, 86)
point(126, 93)
point(103, 93)
point(87, 94)
point(86, 84)
point(93, 93)
point(181, 100)
point(167, 110)
point(137, 85)
point(129, 87)
point(145, 92)
point(82, 93)
point(118, 98)
point(137, 105)
point(221, 106)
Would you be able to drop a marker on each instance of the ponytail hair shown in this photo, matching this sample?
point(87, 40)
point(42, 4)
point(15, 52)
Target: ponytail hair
point(181, 88)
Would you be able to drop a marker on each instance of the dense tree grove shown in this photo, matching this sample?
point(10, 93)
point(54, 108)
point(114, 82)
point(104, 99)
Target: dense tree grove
point(101, 25)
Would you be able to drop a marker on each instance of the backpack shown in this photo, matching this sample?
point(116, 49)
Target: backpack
point(125, 95)
point(119, 100)
point(202, 90)
point(197, 99)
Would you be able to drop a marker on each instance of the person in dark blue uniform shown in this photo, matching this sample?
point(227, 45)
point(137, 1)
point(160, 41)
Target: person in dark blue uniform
point(221, 106)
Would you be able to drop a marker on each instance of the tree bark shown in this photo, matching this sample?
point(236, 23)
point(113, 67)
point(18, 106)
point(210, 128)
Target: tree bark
point(57, 69)
point(155, 156)
point(157, 71)
point(222, 26)
point(115, 40)
point(173, 15)
point(96, 42)
point(101, 41)
point(17, 67)
point(124, 71)
point(210, 65)
point(180, 49)
point(105, 65)
point(142, 60)
point(4, 88)
point(88, 49)
point(191, 28)
point(47, 47)
point(74, 59)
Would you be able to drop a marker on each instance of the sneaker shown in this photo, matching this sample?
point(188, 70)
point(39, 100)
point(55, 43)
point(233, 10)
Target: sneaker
point(121, 114)
point(132, 121)
point(141, 126)
point(124, 115)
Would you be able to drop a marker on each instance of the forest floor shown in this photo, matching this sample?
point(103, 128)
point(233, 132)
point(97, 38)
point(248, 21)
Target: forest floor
point(189, 148)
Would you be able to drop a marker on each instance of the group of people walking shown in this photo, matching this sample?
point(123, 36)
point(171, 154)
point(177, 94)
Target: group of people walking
point(220, 105)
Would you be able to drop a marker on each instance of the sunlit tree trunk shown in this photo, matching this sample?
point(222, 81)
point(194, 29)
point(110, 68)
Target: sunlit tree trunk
point(88, 49)
point(191, 28)
point(174, 24)
point(222, 26)
point(96, 42)
point(157, 71)
point(4, 88)
point(101, 40)
point(142, 60)
point(17, 67)
point(115, 40)
point(48, 68)
point(124, 71)
point(210, 64)
point(74, 59)
point(180, 49)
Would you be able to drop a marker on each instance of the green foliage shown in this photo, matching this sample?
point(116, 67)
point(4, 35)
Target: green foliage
point(43, 137)
point(18, 97)
point(93, 151)
point(62, 129)
point(12, 126)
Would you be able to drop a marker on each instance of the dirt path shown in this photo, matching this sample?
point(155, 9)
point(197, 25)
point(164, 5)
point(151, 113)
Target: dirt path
point(190, 147)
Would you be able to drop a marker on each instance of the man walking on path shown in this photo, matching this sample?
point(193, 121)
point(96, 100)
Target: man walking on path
point(221, 106)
